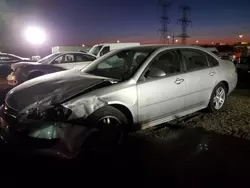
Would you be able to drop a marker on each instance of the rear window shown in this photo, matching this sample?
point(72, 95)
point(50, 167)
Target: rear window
point(212, 61)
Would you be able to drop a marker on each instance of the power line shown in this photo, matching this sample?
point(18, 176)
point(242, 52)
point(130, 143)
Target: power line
point(164, 20)
point(184, 22)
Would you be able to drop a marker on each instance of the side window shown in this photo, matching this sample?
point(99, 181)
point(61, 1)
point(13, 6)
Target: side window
point(105, 50)
point(4, 58)
point(83, 57)
point(212, 61)
point(89, 58)
point(69, 58)
point(194, 59)
point(112, 62)
point(7, 58)
point(58, 60)
point(168, 62)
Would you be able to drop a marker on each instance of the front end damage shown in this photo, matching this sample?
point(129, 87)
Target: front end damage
point(51, 129)
point(56, 123)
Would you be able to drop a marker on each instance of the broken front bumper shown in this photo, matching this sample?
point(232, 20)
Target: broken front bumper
point(66, 146)
point(20, 139)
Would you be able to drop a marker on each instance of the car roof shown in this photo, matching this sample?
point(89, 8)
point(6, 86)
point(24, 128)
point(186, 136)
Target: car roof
point(2, 53)
point(70, 52)
point(162, 46)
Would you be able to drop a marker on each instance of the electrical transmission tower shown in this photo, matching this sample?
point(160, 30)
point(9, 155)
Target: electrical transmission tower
point(173, 38)
point(184, 22)
point(164, 19)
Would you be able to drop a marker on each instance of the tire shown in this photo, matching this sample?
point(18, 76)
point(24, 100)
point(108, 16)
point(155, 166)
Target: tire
point(34, 75)
point(107, 137)
point(212, 106)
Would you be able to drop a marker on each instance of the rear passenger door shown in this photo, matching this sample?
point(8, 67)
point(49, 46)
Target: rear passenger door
point(200, 77)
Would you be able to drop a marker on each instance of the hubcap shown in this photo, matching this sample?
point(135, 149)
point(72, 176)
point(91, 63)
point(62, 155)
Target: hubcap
point(219, 98)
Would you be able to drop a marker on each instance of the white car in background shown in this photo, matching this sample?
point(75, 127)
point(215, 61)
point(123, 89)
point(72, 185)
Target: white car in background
point(24, 71)
point(101, 49)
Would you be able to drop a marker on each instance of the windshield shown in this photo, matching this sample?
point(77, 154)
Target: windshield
point(95, 49)
point(121, 65)
point(48, 58)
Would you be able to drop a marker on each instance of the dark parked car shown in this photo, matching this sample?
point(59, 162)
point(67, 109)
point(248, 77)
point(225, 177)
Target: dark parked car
point(243, 64)
point(52, 63)
point(6, 60)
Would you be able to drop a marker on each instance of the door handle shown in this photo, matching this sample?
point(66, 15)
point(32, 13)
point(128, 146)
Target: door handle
point(178, 81)
point(212, 73)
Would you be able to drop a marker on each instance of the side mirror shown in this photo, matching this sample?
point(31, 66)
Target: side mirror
point(154, 73)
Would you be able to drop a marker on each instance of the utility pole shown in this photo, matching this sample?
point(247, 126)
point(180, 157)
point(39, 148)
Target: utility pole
point(173, 38)
point(184, 22)
point(164, 20)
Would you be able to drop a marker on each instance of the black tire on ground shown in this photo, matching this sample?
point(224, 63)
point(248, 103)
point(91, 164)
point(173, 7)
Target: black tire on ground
point(107, 137)
point(35, 74)
point(211, 107)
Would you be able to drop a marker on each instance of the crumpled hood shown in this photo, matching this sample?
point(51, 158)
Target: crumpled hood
point(23, 64)
point(51, 88)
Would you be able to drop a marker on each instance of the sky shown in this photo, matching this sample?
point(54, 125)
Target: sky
point(74, 22)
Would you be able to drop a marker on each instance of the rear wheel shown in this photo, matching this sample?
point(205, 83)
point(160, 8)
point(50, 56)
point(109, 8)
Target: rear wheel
point(110, 126)
point(218, 98)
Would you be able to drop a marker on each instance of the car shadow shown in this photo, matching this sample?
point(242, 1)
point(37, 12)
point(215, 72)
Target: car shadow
point(243, 81)
point(175, 155)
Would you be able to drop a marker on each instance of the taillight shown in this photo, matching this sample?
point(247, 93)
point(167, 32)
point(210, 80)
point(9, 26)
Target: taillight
point(238, 60)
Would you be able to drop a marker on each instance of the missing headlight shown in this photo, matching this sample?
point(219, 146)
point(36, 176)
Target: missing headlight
point(47, 131)
point(57, 113)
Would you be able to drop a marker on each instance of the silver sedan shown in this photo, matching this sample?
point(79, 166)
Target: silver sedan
point(160, 83)
point(126, 89)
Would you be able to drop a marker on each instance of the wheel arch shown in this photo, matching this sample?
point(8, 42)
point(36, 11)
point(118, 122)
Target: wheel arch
point(226, 84)
point(125, 111)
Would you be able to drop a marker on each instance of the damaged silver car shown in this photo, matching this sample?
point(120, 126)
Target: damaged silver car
point(125, 90)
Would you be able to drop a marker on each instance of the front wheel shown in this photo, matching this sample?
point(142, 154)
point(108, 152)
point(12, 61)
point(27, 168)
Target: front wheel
point(218, 98)
point(110, 126)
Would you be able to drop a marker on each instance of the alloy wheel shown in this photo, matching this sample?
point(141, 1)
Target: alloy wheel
point(219, 98)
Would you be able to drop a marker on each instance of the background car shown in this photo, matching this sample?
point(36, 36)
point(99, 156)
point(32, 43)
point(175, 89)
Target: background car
point(52, 63)
point(127, 89)
point(6, 60)
point(243, 64)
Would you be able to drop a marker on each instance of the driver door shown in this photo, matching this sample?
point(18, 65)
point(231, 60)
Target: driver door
point(163, 95)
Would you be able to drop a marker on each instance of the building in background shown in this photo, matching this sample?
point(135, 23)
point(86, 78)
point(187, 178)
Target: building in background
point(57, 49)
